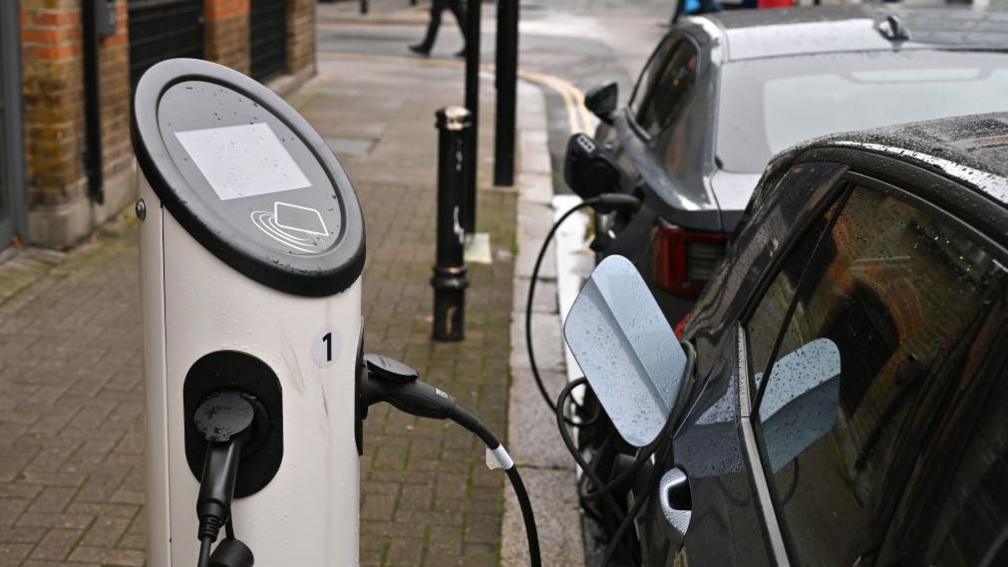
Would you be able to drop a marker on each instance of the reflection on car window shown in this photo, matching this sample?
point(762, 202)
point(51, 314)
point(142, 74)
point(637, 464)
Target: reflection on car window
point(804, 388)
point(667, 91)
point(889, 292)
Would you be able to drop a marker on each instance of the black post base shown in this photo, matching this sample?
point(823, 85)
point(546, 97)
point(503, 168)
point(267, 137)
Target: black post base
point(449, 285)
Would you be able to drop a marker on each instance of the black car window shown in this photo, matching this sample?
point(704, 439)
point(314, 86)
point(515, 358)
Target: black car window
point(889, 291)
point(657, 58)
point(769, 314)
point(972, 526)
point(669, 85)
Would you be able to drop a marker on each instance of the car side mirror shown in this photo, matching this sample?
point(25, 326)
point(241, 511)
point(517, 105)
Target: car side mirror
point(627, 350)
point(588, 169)
point(602, 100)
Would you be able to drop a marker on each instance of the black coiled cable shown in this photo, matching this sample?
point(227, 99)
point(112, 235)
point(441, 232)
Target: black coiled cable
point(605, 201)
point(604, 490)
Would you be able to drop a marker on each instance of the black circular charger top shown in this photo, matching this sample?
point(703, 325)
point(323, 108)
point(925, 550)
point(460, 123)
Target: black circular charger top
point(248, 177)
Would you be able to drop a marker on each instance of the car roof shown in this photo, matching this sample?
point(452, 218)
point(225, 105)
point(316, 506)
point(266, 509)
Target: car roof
point(972, 150)
point(751, 34)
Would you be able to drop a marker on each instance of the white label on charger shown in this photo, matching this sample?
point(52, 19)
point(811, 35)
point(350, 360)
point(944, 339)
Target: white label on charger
point(326, 348)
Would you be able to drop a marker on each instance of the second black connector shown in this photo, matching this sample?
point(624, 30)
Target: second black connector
point(391, 381)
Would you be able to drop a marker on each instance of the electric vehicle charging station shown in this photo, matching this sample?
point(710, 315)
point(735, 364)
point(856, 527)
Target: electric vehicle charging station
point(252, 247)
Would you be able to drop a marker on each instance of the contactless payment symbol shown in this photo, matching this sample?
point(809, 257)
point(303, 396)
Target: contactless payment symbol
point(301, 228)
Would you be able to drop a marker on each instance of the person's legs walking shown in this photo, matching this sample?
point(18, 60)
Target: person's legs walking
point(424, 47)
point(458, 10)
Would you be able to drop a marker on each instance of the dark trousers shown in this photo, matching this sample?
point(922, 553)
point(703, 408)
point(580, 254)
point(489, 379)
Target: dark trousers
point(438, 6)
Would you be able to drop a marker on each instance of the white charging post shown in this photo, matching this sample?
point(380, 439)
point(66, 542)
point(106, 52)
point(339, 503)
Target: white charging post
point(252, 246)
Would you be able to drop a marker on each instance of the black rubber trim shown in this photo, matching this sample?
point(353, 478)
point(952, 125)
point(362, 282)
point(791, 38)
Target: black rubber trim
point(312, 276)
point(360, 404)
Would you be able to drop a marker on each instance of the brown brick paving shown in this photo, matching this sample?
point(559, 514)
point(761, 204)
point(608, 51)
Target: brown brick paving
point(71, 410)
point(428, 498)
point(71, 387)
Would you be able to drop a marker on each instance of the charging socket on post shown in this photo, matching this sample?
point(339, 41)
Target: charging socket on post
point(227, 420)
point(250, 377)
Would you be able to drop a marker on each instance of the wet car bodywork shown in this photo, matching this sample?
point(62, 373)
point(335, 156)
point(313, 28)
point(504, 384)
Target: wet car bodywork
point(675, 167)
point(954, 169)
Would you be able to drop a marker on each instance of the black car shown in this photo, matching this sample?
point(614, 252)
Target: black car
point(849, 402)
point(724, 92)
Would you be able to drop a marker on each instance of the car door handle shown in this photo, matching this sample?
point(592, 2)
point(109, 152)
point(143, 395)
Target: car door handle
point(676, 502)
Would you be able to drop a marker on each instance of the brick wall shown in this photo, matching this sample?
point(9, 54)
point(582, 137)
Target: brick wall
point(117, 150)
point(60, 212)
point(227, 33)
point(52, 86)
point(300, 36)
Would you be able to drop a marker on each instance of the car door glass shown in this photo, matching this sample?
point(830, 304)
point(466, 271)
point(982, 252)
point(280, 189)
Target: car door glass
point(889, 292)
point(657, 58)
point(768, 316)
point(972, 526)
point(669, 87)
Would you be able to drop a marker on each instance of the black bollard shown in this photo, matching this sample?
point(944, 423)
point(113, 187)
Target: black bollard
point(472, 87)
point(507, 91)
point(449, 281)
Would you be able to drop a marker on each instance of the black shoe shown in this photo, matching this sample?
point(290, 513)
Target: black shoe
point(420, 49)
point(461, 53)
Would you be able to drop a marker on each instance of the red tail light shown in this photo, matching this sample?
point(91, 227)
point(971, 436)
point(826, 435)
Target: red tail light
point(683, 260)
point(680, 327)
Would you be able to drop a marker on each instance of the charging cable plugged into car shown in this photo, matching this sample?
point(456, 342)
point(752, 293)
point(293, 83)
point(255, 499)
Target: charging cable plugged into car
point(605, 202)
point(635, 385)
point(592, 174)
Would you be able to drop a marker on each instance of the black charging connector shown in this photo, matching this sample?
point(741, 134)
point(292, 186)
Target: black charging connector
point(393, 382)
point(387, 380)
point(225, 419)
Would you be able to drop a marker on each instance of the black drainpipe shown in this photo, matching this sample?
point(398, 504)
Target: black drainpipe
point(91, 14)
